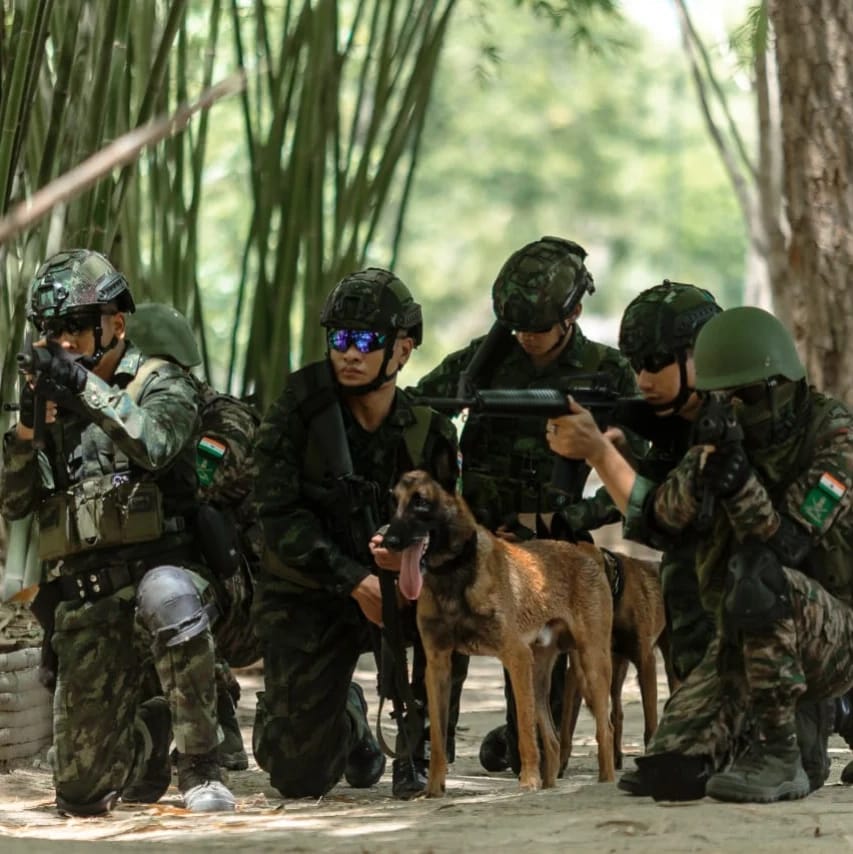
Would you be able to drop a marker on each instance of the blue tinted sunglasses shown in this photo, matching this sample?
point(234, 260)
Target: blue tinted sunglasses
point(364, 340)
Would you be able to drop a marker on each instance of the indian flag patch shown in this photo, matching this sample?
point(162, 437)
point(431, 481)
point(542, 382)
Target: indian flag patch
point(212, 447)
point(208, 457)
point(822, 499)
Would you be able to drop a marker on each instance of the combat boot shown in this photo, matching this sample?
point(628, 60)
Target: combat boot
point(157, 776)
point(814, 723)
point(366, 762)
point(768, 771)
point(232, 753)
point(493, 750)
point(201, 784)
point(408, 778)
point(633, 782)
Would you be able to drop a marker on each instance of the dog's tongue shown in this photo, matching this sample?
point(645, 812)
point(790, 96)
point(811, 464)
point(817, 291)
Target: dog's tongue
point(410, 570)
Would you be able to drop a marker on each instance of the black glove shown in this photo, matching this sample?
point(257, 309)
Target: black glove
point(726, 470)
point(27, 404)
point(63, 372)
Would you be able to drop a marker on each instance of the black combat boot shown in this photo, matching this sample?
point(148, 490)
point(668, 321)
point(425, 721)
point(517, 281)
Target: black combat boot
point(493, 750)
point(157, 776)
point(408, 778)
point(366, 762)
point(669, 776)
point(201, 784)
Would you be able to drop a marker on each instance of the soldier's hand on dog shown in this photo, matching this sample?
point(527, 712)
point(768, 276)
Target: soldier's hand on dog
point(392, 561)
point(577, 436)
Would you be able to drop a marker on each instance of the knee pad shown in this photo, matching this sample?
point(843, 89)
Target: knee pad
point(170, 607)
point(757, 591)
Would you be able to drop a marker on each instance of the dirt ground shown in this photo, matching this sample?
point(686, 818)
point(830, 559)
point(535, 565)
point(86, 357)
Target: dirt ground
point(481, 811)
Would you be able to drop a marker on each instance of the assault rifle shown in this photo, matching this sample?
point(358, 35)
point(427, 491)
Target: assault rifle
point(715, 425)
point(31, 360)
point(595, 392)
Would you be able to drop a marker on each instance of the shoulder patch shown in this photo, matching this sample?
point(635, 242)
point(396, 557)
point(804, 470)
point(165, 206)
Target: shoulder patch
point(822, 499)
point(208, 457)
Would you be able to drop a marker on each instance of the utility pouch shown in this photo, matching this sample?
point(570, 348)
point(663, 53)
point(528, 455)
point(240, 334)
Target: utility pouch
point(98, 513)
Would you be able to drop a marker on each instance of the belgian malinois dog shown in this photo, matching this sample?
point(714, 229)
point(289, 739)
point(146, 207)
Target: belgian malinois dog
point(638, 626)
point(522, 603)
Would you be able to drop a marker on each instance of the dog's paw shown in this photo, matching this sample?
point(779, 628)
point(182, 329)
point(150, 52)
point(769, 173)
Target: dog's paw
point(530, 783)
point(435, 791)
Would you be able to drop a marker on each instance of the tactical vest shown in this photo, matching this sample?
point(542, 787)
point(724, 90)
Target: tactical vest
point(313, 397)
point(507, 465)
point(100, 498)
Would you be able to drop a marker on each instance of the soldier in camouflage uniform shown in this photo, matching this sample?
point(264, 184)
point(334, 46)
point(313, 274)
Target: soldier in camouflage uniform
point(318, 592)
point(112, 487)
point(775, 566)
point(227, 528)
point(657, 334)
point(507, 467)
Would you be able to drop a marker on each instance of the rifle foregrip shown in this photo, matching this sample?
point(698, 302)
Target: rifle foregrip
point(706, 511)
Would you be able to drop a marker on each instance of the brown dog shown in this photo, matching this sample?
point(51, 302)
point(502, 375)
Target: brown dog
point(521, 603)
point(638, 626)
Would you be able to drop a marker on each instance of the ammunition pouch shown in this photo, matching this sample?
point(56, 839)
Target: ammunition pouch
point(84, 580)
point(101, 512)
point(757, 591)
point(216, 536)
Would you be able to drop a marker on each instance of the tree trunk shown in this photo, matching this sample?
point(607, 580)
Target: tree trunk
point(814, 48)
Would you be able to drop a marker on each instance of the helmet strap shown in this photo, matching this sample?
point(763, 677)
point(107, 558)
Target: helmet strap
point(90, 362)
point(567, 328)
point(684, 390)
point(381, 377)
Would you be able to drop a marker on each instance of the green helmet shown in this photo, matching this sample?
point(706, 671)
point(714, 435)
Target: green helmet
point(161, 330)
point(665, 319)
point(541, 284)
point(743, 346)
point(373, 299)
point(75, 280)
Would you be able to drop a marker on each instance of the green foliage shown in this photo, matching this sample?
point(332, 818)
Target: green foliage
point(608, 150)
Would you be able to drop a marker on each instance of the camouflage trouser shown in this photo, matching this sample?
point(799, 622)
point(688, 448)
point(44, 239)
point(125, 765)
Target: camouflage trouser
point(303, 734)
point(751, 684)
point(236, 641)
point(104, 658)
point(690, 627)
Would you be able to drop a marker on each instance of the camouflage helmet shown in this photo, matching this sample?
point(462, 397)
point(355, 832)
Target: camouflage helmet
point(373, 298)
point(74, 280)
point(541, 284)
point(665, 319)
point(743, 346)
point(161, 330)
